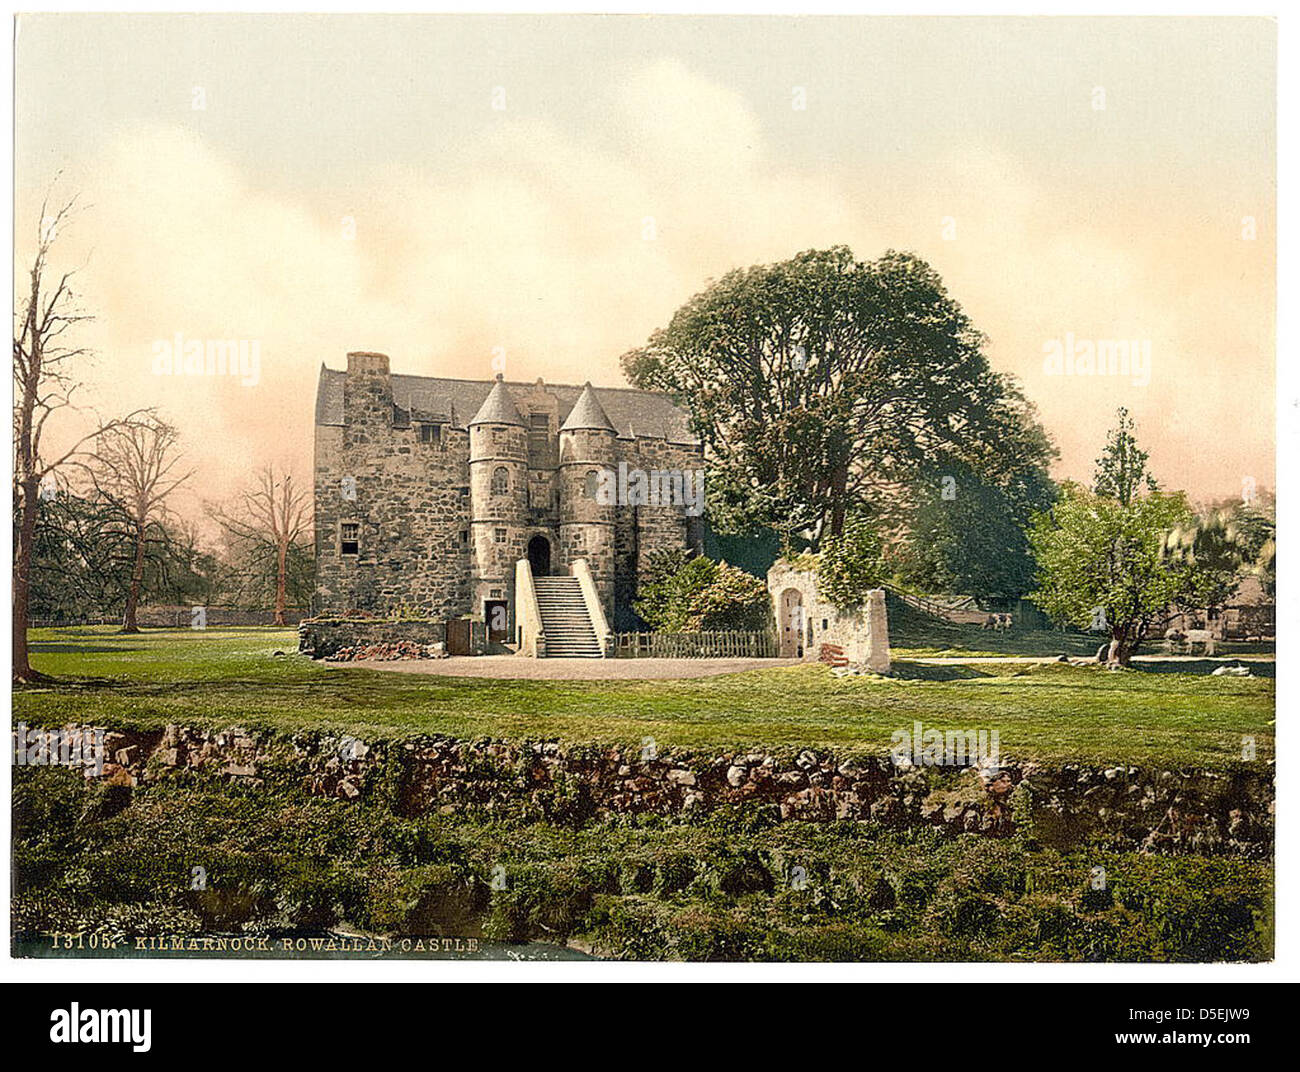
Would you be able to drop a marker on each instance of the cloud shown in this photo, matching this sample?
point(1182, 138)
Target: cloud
point(567, 246)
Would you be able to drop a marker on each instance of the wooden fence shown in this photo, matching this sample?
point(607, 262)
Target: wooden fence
point(715, 645)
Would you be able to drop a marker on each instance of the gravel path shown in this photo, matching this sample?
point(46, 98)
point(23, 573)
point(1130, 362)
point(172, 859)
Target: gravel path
point(515, 667)
point(512, 667)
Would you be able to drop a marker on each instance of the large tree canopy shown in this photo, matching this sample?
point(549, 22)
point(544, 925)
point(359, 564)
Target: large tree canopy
point(823, 385)
point(968, 534)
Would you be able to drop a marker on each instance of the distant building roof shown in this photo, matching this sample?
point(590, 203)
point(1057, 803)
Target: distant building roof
point(498, 407)
point(1250, 593)
point(432, 398)
point(587, 413)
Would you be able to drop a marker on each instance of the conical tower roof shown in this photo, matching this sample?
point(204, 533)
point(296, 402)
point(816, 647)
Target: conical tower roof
point(498, 407)
point(587, 412)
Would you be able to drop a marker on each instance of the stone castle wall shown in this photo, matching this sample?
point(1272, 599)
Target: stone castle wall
point(411, 506)
point(434, 540)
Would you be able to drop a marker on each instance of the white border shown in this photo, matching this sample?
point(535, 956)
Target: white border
point(1287, 964)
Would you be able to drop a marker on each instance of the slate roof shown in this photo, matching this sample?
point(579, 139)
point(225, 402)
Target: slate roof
point(498, 407)
point(433, 398)
point(587, 412)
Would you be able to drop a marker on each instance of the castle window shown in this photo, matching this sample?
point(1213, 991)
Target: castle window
point(498, 535)
point(349, 537)
point(589, 488)
point(431, 433)
point(500, 480)
point(464, 537)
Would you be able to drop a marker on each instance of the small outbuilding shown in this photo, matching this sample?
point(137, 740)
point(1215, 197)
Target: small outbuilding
point(810, 627)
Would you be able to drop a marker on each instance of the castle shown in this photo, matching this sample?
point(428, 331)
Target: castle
point(429, 492)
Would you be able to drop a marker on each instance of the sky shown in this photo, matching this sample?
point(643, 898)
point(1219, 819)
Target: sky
point(547, 191)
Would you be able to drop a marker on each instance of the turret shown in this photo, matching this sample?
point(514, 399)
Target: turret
point(498, 488)
point(588, 485)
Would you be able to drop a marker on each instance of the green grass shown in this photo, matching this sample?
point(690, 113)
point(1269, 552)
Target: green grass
point(915, 635)
point(1047, 712)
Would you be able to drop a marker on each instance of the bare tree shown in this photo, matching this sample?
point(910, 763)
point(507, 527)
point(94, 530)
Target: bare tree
point(273, 514)
point(44, 382)
point(134, 468)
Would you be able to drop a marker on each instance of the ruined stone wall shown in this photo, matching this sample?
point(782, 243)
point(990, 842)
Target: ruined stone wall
point(320, 638)
point(862, 632)
point(411, 507)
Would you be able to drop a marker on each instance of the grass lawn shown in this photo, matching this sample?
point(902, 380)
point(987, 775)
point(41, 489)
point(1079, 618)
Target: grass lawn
point(913, 635)
point(224, 677)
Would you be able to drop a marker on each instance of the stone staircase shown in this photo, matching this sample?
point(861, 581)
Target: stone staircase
point(565, 621)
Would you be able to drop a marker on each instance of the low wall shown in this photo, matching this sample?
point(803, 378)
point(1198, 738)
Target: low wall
point(1201, 812)
point(180, 617)
point(322, 637)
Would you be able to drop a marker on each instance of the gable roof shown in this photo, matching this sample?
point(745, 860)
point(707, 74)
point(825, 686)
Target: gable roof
point(434, 398)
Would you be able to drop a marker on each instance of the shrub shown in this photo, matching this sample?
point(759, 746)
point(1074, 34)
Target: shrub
point(685, 594)
point(850, 565)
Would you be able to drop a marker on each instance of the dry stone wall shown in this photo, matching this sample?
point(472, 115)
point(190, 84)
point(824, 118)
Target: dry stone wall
point(1184, 811)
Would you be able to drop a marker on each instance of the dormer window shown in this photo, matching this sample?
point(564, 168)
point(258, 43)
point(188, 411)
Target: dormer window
point(431, 433)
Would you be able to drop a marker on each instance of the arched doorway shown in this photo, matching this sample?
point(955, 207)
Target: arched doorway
point(791, 622)
point(539, 556)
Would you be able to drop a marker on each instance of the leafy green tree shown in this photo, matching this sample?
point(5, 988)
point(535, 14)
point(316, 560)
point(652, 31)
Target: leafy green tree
point(823, 386)
point(851, 564)
point(1122, 556)
point(684, 594)
point(968, 534)
point(84, 557)
point(1121, 471)
point(1104, 564)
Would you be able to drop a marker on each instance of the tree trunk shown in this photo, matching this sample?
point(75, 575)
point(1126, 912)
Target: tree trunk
point(839, 491)
point(1121, 648)
point(280, 585)
point(129, 624)
point(22, 671)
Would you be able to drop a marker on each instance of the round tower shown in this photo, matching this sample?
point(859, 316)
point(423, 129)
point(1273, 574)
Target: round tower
point(588, 483)
point(498, 491)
